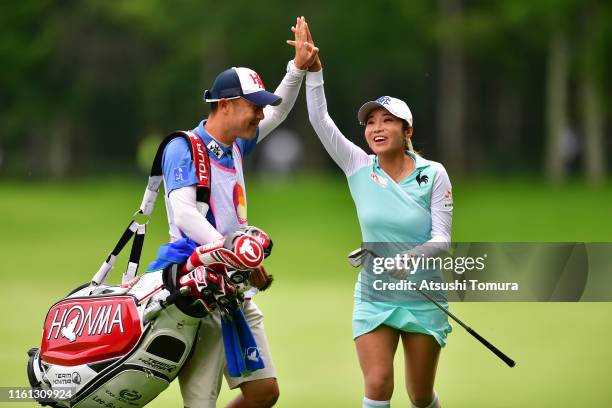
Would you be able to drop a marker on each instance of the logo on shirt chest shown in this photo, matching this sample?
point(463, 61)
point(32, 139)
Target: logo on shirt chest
point(379, 179)
point(215, 149)
point(421, 179)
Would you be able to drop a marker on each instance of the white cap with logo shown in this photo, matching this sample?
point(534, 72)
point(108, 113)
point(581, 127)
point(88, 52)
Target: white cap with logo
point(396, 107)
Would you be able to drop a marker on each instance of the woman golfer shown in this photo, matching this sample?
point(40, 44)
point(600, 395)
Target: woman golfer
point(400, 198)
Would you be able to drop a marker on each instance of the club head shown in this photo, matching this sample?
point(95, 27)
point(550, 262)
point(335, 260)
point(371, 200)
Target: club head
point(357, 256)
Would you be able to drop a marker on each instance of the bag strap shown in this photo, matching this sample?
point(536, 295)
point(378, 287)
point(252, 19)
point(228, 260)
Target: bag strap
point(200, 161)
point(138, 230)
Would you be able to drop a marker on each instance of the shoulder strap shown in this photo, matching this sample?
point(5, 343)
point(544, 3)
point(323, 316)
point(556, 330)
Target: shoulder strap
point(200, 161)
point(138, 230)
point(202, 167)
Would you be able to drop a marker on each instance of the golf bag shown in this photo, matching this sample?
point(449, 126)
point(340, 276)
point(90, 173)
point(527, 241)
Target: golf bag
point(108, 346)
point(120, 346)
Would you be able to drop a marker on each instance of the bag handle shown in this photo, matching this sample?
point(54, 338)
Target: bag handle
point(136, 230)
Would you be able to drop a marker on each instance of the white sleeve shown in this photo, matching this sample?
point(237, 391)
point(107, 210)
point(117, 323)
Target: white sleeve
point(344, 152)
point(187, 217)
point(441, 216)
point(288, 89)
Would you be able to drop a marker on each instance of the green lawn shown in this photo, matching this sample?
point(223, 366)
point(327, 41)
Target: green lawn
point(55, 236)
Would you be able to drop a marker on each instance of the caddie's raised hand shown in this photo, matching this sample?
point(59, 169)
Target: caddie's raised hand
point(305, 51)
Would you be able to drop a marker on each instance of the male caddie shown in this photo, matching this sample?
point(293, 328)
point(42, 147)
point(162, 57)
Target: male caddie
point(242, 114)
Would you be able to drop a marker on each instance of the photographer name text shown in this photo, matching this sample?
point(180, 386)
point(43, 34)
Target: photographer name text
point(466, 284)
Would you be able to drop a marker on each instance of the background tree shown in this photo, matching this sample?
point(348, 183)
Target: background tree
point(493, 86)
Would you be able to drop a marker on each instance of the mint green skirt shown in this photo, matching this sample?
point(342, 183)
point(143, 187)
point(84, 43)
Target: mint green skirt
point(411, 317)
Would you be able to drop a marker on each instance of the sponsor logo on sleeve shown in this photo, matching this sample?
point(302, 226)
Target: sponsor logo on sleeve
point(448, 199)
point(180, 174)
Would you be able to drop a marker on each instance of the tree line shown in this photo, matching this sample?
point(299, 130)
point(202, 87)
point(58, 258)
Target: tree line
point(495, 87)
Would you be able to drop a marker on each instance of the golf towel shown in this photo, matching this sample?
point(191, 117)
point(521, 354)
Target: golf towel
point(241, 351)
point(175, 252)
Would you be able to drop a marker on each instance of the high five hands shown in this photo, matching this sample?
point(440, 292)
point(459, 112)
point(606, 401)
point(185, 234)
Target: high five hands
point(306, 53)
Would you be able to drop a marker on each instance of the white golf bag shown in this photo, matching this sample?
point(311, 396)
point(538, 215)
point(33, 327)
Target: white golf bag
point(120, 346)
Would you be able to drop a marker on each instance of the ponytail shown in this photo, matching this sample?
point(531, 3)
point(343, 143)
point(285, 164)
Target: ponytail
point(409, 145)
point(408, 142)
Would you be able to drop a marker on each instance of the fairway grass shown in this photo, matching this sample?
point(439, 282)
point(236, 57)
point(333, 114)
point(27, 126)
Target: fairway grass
point(55, 236)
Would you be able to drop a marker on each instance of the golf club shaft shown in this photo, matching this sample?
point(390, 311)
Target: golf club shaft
point(510, 362)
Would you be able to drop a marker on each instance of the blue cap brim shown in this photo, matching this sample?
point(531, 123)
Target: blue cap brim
point(263, 98)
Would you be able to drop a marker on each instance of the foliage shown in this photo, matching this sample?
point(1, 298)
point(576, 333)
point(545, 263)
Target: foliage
point(92, 78)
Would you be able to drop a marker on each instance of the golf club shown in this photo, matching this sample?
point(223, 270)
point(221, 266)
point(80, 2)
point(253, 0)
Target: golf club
point(358, 256)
